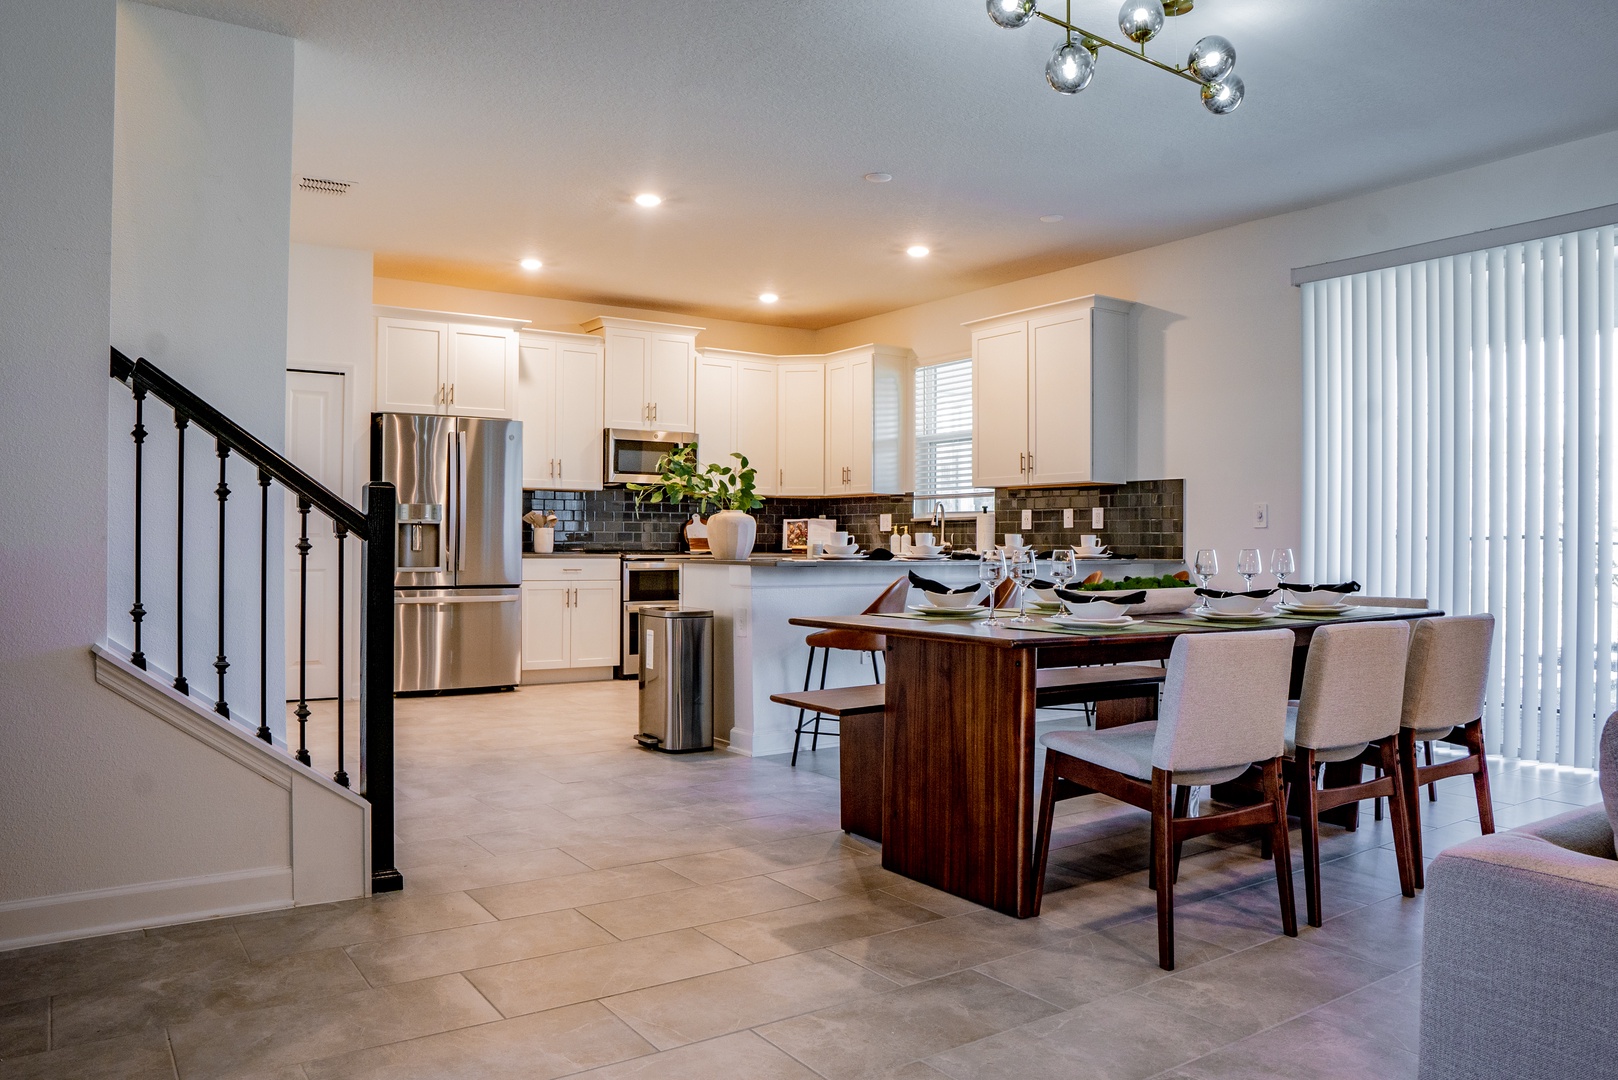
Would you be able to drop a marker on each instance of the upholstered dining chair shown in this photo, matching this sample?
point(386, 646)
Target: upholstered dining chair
point(1349, 710)
point(1224, 711)
point(1359, 600)
point(1445, 677)
point(891, 600)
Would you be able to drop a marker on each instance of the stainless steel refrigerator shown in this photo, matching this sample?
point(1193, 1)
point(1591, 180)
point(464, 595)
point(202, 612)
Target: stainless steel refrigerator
point(458, 549)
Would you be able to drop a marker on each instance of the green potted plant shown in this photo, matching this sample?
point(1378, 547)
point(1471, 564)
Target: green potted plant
point(731, 529)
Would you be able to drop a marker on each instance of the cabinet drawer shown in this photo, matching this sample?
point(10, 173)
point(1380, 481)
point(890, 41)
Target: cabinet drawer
point(561, 568)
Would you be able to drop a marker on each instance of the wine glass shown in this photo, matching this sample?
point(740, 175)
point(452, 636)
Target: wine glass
point(1025, 568)
point(992, 571)
point(1206, 566)
point(1249, 564)
point(1282, 565)
point(1063, 567)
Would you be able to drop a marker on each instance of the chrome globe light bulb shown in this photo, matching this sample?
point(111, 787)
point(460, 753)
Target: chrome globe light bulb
point(1211, 59)
point(1140, 20)
point(1222, 97)
point(1011, 13)
point(1070, 68)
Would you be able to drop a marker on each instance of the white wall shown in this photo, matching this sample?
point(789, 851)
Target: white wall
point(201, 212)
point(1218, 338)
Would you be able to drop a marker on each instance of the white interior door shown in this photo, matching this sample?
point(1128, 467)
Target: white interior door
point(315, 411)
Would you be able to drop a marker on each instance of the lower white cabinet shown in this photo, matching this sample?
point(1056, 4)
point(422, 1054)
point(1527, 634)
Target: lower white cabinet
point(570, 613)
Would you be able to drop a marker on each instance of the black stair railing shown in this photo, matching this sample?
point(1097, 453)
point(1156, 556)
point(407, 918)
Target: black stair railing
point(373, 527)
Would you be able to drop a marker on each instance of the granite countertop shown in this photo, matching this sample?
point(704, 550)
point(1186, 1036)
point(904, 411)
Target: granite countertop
point(572, 555)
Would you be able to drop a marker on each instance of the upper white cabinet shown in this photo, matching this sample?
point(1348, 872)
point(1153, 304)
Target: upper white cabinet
point(757, 422)
point(437, 362)
point(867, 390)
point(1051, 398)
point(801, 429)
point(650, 374)
point(560, 404)
point(736, 413)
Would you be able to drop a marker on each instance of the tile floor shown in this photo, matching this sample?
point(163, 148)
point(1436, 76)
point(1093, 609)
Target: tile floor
point(576, 906)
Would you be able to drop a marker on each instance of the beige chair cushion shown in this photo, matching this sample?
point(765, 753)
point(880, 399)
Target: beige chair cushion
point(1128, 750)
point(1353, 686)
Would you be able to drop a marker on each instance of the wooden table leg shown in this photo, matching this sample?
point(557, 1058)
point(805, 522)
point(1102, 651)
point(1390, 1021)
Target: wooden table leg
point(959, 777)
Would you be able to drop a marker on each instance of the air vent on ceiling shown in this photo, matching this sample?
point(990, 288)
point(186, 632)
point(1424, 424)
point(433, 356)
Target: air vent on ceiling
point(330, 187)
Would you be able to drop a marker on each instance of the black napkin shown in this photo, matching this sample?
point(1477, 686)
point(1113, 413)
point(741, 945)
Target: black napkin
point(1074, 597)
point(879, 555)
point(1345, 587)
point(1220, 594)
point(931, 586)
point(972, 555)
point(1041, 583)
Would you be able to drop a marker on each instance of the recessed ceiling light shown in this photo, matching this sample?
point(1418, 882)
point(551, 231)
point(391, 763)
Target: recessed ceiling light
point(878, 177)
point(1051, 219)
point(646, 198)
point(531, 263)
point(767, 298)
point(918, 251)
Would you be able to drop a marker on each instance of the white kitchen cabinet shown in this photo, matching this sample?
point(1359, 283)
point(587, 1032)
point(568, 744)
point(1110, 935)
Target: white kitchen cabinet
point(716, 409)
point(1051, 395)
point(570, 614)
point(560, 404)
point(650, 374)
point(801, 428)
point(436, 362)
point(736, 413)
point(867, 391)
point(757, 423)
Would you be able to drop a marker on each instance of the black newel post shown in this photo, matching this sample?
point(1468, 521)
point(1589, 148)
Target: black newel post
point(341, 532)
point(376, 685)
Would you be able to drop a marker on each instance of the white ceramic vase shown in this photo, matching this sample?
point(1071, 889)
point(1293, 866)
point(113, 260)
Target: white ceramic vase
point(731, 534)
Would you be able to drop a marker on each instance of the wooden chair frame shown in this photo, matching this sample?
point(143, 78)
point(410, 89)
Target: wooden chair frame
point(1475, 763)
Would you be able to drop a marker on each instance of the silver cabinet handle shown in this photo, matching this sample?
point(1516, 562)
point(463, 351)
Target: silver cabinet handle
point(559, 468)
point(1022, 461)
point(654, 412)
point(1030, 463)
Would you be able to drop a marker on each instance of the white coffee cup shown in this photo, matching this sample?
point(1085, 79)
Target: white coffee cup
point(839, 539)
point(1090, 542)
point(1013, 540)
point(924, 540)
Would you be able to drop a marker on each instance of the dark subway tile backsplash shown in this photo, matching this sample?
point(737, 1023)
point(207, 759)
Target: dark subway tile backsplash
point(1144, 518)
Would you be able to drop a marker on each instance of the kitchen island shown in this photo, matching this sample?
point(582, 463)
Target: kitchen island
point(758, 653)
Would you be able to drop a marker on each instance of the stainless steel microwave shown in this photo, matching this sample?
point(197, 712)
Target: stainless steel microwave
point(632, 456)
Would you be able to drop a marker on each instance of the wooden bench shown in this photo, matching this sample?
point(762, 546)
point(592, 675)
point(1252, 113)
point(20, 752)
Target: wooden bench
point(858, 713)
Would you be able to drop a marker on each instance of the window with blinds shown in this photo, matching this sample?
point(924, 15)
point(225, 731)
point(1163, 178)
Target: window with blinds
point(1461, 444)
point(944, 438)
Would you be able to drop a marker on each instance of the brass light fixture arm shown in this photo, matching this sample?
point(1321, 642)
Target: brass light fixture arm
point(1087, 38)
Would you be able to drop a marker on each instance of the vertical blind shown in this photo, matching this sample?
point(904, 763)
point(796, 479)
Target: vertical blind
point(944, 436)
point(1461, 443)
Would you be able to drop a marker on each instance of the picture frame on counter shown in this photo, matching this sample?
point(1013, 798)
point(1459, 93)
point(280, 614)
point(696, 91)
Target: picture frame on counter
point(795, 534)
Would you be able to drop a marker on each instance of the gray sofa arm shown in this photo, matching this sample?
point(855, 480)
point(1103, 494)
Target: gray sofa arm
point(1520, 955)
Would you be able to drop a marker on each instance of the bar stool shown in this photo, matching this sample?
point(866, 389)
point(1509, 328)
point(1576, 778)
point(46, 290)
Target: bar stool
point(891, 601)
point(1349, 710)
point(1224, 712)
point(1445, 677)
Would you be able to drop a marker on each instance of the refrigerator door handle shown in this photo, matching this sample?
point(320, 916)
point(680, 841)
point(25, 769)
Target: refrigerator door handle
point(460, 517)
point(456, 599)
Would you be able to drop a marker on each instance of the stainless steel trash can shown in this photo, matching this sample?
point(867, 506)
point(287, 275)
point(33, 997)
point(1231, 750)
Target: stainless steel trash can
point(676, 679)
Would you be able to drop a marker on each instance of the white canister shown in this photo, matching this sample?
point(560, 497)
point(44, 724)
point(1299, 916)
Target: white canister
point(544, 540)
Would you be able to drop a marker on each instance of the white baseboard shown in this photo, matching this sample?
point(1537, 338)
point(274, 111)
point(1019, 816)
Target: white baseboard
point(94, 912)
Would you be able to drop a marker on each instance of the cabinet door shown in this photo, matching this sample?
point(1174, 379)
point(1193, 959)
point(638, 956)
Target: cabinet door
point(1000, 406)
point(481, 370)
point(756, 422)
point(579, 425)
point(544, 625)
point(1059, 399)
point(839, 425)
point(595, 621)
point(409, 366)
point(716, 410)
point(861, 433)
point(801, 426)
point(627, 404)
point(536, 408)
point(670, 372)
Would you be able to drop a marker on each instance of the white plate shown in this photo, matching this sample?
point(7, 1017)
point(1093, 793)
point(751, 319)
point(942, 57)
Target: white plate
point(949, 612)
point(1314, 609)
point(920, 558)
point(1223, 616)
point(856, 555)
point(1090, 624)
point(1090, 558)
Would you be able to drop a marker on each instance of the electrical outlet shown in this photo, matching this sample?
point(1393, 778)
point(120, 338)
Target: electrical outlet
point(1096, 517)
point(1067, 518)
point(1028, 519)
point(885, 523)
point(1261, 515)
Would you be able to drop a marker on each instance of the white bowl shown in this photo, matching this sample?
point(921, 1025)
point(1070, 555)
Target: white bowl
point(1096, 609)
point(1160, 601)
point(844, 549)
point(1090, 553)
point(954, 599)
point(1314, 597)
point(1233, 605)
point(928, 550)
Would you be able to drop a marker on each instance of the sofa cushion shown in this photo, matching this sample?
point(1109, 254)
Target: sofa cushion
point(1607, 762)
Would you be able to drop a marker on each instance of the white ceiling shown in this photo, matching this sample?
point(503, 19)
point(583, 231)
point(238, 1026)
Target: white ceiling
point(480, 131)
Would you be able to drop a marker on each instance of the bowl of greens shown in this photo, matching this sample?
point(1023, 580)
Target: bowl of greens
point(1164, 595)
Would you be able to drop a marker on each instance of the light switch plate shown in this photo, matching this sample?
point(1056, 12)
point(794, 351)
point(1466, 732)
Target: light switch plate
point(885, 522)
point(1028, 519)
point(1067, 518)
point(1096, 517)
point(1261, 515)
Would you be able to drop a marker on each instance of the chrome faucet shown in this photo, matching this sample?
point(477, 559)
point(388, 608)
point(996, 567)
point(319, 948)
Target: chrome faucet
point(938, 514)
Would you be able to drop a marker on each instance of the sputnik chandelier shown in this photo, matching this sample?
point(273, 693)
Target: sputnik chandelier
point(1073, 63)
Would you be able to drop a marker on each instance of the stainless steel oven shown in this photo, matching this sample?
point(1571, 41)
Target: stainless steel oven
point(632, 456)
point(649, 581)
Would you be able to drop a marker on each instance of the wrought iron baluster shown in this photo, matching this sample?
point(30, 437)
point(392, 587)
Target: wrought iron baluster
point(220, 663)
point(341, 775)
point(263, 731)
point(302, 711)
point(180, 684)
point(138, 611)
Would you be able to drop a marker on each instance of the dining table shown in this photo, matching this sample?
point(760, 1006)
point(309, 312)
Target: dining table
point(959, 737)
